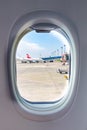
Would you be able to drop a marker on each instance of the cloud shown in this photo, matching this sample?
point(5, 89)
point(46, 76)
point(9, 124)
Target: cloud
point(25, 47)
point(30, 46)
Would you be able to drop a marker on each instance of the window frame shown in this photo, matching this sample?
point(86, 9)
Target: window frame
point(21, 27)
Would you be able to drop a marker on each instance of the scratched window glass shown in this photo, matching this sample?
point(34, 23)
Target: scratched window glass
point(43, 66)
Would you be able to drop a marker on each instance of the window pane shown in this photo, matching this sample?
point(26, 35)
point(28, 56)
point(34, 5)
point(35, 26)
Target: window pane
point(43, 66)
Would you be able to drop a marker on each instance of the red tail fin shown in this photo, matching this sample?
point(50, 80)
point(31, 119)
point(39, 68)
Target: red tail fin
point(28, 56)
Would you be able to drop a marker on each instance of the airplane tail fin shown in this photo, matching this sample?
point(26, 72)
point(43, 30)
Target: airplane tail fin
point(28, 56)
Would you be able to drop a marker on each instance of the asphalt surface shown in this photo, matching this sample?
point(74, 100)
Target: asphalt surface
point(40, 81)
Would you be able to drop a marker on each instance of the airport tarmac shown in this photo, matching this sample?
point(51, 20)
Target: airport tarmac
point(40, 81)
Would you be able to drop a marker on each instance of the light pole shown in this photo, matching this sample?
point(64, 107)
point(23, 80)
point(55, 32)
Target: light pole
point(58, 52)
point(64, 48)
point(61, 51)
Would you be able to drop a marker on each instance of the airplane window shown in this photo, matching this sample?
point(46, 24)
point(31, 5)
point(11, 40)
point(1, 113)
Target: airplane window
point(43, 66)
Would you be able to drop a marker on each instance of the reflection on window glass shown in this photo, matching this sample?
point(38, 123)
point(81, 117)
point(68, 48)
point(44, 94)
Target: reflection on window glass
point(43, 66)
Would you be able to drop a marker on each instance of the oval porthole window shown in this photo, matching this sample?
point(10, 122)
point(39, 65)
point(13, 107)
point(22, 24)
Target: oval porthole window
point(43, 65)
point(43, 62)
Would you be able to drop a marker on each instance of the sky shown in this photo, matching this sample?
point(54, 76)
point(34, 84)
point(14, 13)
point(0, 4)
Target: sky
point(42, 45)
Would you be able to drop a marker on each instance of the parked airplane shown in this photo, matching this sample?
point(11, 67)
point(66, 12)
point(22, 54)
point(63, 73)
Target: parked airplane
point(29, 59)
